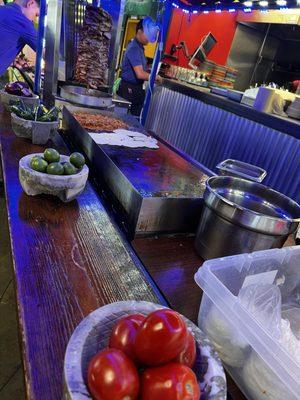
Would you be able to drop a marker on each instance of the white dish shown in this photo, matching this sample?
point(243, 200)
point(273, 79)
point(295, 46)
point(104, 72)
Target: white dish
point(92, 335)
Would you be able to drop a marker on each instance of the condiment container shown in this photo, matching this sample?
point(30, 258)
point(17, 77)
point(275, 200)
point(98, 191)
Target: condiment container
point(241, 169)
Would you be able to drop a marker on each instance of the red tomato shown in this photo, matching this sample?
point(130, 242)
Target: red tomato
point(160, 338)
point(123, 334)
point(188, 354)
point(112, 375)
point(169, 382)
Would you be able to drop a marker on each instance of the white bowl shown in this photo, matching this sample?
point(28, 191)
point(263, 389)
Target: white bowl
point(66, 187)
point(7, 99)
point(38, 132)
point(92, 335)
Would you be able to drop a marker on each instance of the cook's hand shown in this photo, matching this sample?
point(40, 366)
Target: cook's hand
point(158, 79)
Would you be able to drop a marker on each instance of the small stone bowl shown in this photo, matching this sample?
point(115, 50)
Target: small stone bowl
point(92, 335)
point(38, 132)
point(65, 187)
point(8, 99)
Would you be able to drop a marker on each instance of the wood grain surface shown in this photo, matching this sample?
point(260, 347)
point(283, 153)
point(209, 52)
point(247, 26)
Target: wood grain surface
point(68, 260)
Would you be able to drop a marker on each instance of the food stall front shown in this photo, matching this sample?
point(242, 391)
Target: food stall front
point(128, 233)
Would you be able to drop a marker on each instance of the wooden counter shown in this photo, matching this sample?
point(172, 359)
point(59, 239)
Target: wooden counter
point(68, 259)
point(71, 258)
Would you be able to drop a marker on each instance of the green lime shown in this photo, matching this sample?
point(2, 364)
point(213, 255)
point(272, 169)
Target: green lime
point(55, 168)
point(35, 158)
point(51, 155)
point(69, 169)
point(77, 160)
point(38, 164)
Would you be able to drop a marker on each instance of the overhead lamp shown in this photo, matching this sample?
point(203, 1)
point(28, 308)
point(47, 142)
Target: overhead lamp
point(218, 11)
point(195, 12)
point(231, 10)
point(263, 3)
point(298, 2)
point(205, 12)
point(247, 10)
point(281, 3)
point(248, 3)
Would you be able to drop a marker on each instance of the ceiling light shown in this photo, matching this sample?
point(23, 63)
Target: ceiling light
point(249, 3)
point(281, 3)
point(247, 10)
point(205, 12)
point(232, 10)
point(218, 11)
point(263, 3)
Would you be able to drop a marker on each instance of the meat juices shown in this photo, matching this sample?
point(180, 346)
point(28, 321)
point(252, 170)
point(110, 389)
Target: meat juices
point(93, 48)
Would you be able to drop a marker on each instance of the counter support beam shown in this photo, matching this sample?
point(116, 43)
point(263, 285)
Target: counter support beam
point(166, 16)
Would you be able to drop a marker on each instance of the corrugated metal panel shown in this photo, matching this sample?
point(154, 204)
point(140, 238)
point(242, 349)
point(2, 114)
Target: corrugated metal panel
point(210, 135)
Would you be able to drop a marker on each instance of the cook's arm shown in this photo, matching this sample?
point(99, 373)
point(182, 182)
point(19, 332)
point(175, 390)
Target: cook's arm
point(28, 33)
point(141, 74)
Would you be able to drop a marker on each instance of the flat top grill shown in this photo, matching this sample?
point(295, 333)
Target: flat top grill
point(158, 173)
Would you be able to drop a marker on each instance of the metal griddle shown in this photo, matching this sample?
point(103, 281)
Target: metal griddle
point(156, 190)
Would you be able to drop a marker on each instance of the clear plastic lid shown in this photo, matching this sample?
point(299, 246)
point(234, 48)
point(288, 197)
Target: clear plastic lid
point(241, 169)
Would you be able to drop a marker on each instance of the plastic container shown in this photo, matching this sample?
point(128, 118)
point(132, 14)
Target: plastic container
point(241, 169)
point(260, 366)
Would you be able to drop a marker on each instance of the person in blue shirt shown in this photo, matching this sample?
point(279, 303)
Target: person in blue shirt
point(17, 29)
point(134, 65)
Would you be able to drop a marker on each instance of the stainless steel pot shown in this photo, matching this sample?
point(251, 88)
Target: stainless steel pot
point(240, 216)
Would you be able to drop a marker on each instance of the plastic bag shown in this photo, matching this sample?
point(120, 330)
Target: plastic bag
point(264, 304)
point(262, 383)
point(233, 349)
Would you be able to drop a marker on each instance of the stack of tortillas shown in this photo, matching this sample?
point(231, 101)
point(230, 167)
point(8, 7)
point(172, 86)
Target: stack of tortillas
point(125, 138)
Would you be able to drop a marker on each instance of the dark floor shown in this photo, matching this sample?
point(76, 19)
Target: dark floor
point(11, 372)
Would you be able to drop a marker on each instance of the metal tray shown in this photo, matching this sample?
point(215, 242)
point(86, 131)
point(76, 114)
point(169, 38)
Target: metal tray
point(241, 169)
point(86, 97)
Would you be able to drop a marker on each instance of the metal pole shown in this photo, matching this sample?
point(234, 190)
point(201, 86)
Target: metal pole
point(162, 38)
point(259, 57)
point(39, 48)
point(52, 37)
